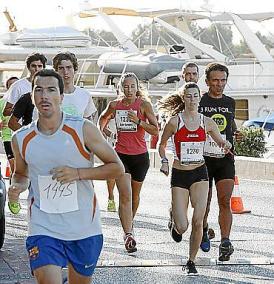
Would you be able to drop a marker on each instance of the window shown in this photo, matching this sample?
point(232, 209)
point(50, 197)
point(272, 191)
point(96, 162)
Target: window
point(241, 109)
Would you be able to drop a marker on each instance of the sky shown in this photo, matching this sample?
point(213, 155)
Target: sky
point(38, 13)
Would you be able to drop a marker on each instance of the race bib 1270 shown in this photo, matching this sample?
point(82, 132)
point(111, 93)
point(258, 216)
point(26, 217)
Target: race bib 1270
point(192, 152)
point(123, 123)
point(56, 197)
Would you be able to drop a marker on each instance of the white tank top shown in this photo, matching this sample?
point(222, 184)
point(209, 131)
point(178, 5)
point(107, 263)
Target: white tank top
point(42, 153)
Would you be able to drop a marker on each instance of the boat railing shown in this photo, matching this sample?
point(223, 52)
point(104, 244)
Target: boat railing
point(243, 75)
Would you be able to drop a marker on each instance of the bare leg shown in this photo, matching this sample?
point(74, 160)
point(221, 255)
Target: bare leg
point(11, 162)
point(209, 197)
point(110, 185)
point(76, 278)
point(198, 197)
point(125, 202)
point(48, 274)
point(180, 200)
point(136, 189)
point(224, 191)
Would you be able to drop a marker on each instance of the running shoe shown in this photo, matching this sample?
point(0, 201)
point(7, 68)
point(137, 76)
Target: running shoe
point(205, 243)
point(111, 206)
point(171, 226)
point(225, 250)
point(14, 207)
point(130, 243)
point(190, 268)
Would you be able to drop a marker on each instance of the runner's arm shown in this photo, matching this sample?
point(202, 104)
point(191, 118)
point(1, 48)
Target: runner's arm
point(19, 110)
point(13, 123)
point(106, 115)
point(8, 109)
point(168, 131)
point(95, 143)
point(151, 127)
point(12, 97)
point(19, 180)
point(236, 133)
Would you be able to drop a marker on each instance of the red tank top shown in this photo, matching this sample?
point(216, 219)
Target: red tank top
point(188, 144)
point(130, 137)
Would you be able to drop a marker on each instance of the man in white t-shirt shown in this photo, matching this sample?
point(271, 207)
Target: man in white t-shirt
point(77, 101)
point(35, 62)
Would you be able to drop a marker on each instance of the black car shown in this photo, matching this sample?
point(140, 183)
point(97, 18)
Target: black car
point(2, 211)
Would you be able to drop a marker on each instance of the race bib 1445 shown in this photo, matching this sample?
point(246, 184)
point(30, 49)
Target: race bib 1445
point(56, 197)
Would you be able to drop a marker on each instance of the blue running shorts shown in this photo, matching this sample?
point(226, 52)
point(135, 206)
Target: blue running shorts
point(81, 254)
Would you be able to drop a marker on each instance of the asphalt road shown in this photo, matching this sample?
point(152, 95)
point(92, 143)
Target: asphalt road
point(159, 259)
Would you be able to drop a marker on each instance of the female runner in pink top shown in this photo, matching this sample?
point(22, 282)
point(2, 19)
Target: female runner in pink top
point(133, 116)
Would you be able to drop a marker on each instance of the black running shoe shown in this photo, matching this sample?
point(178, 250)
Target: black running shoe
point(205, 243)
point(225, 250)
point(190, 268)
point(171, 226)
point(175, 235)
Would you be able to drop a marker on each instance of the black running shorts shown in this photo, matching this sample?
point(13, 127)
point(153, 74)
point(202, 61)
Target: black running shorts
point(185, 179)
point(218, 169)
point(136, 165)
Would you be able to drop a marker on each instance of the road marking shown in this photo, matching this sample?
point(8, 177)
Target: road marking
point(180, 262)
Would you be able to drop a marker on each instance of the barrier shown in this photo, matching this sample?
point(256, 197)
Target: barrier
point(8, 171)
point(236, 202)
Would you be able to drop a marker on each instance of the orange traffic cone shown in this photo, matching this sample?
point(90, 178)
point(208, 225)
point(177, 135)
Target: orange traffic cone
point(8, 172)
point(236, 202)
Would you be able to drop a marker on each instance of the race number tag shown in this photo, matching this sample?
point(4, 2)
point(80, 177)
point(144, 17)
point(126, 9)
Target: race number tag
point(212, 149)
point(192, 152)
point(123, 123)
point(56, 197)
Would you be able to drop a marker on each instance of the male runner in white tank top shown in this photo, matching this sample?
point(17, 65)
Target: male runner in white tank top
point(53, 160)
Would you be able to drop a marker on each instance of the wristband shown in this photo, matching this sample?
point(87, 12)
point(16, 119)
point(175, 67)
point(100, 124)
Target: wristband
point(164, 160)
point(228, 144)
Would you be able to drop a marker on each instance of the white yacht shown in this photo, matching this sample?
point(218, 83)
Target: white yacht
point(250, 83)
